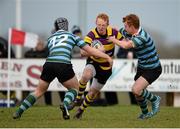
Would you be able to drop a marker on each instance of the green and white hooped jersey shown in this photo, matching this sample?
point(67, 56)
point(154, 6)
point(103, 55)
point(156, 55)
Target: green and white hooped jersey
point(144, 48)
point(60, 46)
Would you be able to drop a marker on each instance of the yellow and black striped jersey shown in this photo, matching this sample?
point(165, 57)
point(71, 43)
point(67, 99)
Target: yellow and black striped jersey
point(108, 46)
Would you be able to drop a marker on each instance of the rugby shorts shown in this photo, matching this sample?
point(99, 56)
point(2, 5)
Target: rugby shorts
point(149, 74)
point(62, 71)
point(101, 75)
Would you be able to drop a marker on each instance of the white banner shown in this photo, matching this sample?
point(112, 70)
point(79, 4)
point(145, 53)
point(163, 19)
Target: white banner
point(24, 75)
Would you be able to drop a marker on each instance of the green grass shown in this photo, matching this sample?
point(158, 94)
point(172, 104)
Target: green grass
point(94, 117)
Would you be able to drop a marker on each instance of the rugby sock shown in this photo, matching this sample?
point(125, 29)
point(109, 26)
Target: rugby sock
point(69, 97)
point(27, 103)
point(148, 95)
point(143, 105)
point(82, 88)
point(86, 102)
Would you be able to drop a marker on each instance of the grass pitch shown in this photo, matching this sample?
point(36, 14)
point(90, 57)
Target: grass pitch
point(94, 117)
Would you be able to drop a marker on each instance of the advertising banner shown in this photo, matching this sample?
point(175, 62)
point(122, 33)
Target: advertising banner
point(24, 75)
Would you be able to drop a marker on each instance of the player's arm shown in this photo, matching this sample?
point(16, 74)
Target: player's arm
point(95, 44)
point(84, 53)
point(95, 52)
point(88, 41)
point(126, 44)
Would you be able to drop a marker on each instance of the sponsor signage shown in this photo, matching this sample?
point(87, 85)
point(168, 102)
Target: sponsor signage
point(24, 75)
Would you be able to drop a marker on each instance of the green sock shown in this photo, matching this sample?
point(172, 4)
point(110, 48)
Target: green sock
point(143, 105)
point(148, 95)
point(70, 96)
point(27, 103)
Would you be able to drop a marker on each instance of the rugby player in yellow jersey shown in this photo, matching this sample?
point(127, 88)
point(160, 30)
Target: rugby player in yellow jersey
point(97, 69)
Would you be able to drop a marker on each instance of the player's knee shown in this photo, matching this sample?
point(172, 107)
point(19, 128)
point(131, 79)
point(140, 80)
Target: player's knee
point(135, 91)
point(38, 93)
point(86, 77)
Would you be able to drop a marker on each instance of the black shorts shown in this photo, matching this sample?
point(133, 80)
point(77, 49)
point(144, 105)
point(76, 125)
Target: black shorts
point(101, 75)
point(149, 74)
point(62, 71)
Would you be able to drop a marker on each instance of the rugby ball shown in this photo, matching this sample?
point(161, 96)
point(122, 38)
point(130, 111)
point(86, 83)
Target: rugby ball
point(98, 45)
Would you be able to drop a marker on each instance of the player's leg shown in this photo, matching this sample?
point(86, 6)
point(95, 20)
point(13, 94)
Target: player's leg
point(72, 86)
point(154, 99)
point(31, 98)
point(98, 82)
point(88, 73)
point(137, 89)
point(143, 106)
point(70, 95)
point(150, 76)
point(89, 98)
point(69, 81)
point(46, 77)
